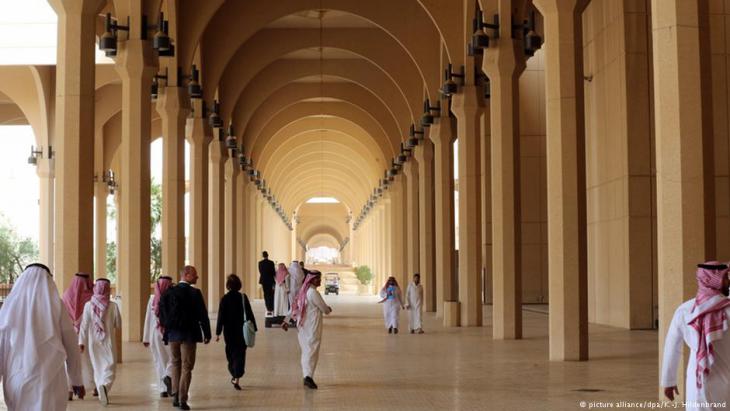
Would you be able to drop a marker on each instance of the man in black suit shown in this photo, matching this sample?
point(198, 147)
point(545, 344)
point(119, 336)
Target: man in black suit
point(267, 279)
point(185, 318)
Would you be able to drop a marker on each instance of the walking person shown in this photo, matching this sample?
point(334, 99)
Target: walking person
point(185, 319)
point(153, 338)
point(97, 335)
point(231, 311)
point(74, 299)
point(36, 339)
point(702, 324)
point(307, 310)
point(414, 304)
point(267, 272)
point(392, 300)
point(281, 292)
point(296, 278)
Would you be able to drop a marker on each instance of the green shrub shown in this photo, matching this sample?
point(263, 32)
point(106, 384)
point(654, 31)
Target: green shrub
point(364, 274)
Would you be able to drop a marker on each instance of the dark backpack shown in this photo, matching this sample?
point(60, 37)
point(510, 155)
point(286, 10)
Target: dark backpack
point(172, 308)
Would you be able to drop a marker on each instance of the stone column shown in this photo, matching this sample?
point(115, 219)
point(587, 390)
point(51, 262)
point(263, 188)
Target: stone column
point(47, 210)
point(503, 64)
point(486, 185)
point(680, 143)
point(216, 220)
point(199, 139)
point(75, 73)
point(424, 156)
point(251, 240)
point(410, 170)
point(241, 223)
point(380, 240)
point(136, 66)
point(230, 224)
point(566, 203)
point(465, 107)
point(173, 107)
point(441, 134)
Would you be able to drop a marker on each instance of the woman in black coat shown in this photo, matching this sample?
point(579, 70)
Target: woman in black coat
point(230, 322)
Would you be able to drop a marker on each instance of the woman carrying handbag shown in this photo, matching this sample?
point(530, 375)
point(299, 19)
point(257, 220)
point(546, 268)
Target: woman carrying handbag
point(235, 314)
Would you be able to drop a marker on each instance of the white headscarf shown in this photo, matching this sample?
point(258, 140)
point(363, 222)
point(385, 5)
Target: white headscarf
point(296, 274)
point(30, 322)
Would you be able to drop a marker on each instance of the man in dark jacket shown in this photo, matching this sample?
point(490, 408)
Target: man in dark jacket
point(267, 279)
point(185, 318)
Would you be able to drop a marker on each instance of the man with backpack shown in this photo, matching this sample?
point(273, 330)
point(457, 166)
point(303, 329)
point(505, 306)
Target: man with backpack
point(185, 318)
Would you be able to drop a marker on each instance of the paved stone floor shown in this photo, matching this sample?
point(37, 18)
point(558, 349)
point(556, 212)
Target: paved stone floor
point(361, 367)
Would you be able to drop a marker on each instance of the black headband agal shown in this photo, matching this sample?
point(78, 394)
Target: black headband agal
point(712, 266)
point(39, 265)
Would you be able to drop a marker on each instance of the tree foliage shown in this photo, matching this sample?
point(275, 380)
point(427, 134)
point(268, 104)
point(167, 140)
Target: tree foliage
point(15, 252)
point(155, 240)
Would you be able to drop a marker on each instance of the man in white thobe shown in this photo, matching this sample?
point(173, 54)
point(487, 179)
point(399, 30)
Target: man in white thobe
point(702, 324)
point(36, 339)
point(414, 304)
point(152, 338)
point(308, 308)
point(281, 291)
point(99, 324)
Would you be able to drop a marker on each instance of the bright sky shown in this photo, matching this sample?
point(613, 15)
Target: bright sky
point(19, 187)
point(28, 33)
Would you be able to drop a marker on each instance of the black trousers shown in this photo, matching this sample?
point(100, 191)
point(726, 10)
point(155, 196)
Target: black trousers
point(269, 297)
point(236, 356)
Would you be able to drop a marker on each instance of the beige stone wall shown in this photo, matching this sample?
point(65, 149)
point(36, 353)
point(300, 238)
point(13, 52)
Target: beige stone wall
point(719, 19)
point(533, 180)
point(276, 236)
point(620, 183)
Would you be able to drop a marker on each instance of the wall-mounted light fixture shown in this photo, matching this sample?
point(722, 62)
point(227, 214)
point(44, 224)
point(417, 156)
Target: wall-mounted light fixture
point(231, 142)
point(532, 40)
point(450, 87)
point(155, 86)
point(480, 39)
point(428, 110)
point(215, 119)
point(195, 91)
point(415, 136)
point(161, 41)
point(36, 154)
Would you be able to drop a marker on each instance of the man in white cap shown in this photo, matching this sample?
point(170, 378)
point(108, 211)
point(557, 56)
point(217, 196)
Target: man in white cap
point(307, 310)
point(36, 339)
point(702, 324)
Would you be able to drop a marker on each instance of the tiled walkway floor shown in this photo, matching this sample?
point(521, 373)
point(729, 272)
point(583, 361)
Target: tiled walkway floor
point(363, 368)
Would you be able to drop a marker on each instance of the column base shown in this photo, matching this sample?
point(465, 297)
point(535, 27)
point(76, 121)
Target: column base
point(451, 313)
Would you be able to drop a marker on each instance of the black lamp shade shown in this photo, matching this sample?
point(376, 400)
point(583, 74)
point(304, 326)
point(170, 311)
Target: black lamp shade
point(231, 142)
point(161, 41)
point(480, 40)
point(170, 52)
point(427, 119)
point(108, 42)
point(215, 120)
point(450, 87)
point(195, 90)
point(402, 158)
point(412, 142)
point(154, 88)
point(533, 41)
